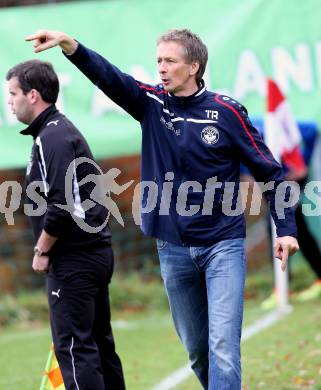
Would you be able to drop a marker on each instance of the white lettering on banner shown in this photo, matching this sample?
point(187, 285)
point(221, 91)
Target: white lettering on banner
point(297, 67)
point(10, 118)
point(250, 77)
point(286, 69)
point(64, 81)
point(318, 61)
point(101, 104)
point(206, 78)
point(140, 73)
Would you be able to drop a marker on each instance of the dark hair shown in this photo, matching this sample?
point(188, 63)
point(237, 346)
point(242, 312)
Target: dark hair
point(195, 49)
point(38, 75)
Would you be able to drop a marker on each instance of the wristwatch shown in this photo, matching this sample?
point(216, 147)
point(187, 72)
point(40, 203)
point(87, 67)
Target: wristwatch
point(37, 251)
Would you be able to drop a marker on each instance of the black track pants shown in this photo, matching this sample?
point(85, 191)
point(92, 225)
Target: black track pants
point(80, 322)
point(308, 244)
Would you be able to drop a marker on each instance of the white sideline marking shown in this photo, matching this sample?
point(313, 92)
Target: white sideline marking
point(183, 373)
point(174, 379)
point(264, 322)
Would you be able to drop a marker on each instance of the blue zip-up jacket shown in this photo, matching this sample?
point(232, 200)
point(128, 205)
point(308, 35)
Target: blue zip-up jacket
point(189, 139)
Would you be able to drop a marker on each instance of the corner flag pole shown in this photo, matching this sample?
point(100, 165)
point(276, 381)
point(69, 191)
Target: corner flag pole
point(275, 139)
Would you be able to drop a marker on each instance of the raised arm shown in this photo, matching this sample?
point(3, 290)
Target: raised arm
point(122, 88)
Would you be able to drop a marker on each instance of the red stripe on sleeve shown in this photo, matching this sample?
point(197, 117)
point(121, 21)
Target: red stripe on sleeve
point(244, 127)
point(151, 89)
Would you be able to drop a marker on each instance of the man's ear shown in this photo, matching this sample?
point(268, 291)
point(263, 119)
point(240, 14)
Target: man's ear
point(194, 68)
point(34, 96)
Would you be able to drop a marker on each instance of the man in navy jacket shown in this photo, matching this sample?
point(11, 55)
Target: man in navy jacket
point(193, 142)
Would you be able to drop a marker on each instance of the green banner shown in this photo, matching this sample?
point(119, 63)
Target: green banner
point(247, 41)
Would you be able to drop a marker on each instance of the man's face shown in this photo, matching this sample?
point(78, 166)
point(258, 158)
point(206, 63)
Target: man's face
point(177, 76)
point(21, 105)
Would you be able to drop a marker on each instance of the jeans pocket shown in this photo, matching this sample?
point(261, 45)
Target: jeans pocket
point(161, 244)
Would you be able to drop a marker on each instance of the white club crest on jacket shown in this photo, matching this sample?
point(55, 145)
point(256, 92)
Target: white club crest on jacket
point(210, 135)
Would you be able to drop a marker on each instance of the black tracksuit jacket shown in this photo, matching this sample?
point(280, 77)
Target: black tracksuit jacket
point(57, 146)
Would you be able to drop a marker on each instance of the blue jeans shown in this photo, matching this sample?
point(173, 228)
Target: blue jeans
point(205, 288)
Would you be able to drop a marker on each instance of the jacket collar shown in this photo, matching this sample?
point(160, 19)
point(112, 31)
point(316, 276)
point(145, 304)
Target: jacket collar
point(37, 124)
point(195, 98)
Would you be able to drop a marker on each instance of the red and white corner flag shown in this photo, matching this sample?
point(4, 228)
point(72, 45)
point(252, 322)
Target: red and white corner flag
point(282, 134)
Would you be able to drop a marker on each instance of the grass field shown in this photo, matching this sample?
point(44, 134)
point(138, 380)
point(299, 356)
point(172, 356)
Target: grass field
point(147, 344)
point(283, 357)
point(288, 355)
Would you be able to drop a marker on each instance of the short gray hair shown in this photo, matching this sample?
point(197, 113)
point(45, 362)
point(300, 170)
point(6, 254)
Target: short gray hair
point(196, 50)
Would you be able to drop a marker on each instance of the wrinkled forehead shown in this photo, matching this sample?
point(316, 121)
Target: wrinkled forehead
point(171, 49)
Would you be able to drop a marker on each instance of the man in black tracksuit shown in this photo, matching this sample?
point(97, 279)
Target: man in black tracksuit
point(73, 243)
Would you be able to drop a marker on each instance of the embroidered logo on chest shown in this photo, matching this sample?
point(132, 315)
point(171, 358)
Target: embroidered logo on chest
point(210, 135)
point(170, 126)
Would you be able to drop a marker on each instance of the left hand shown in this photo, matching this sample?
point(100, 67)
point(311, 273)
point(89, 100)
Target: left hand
point(40, 264)
point(284, 247)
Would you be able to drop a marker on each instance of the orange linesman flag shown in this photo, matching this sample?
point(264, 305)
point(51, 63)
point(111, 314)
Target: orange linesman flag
point(52, 378)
